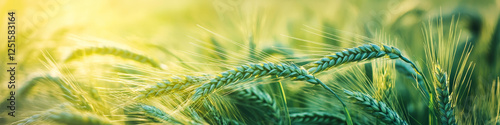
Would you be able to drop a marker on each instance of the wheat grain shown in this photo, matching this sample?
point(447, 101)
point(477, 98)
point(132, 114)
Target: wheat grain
point(443, 96)
point(172, 84)
point(112, 51)
point(379, 109)
point(316, 118)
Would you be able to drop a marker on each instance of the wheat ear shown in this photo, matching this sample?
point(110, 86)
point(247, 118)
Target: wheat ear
point(443, 96)
point(112, 51)
point(316, 118)
point(261, 100)
point(170, 85)
point(379, 109)
point(72, 117)
point(140, 113)
point(70, 94)
point(360, 53)
point(249, 71)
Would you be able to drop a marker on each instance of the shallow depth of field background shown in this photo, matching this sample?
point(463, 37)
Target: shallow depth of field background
point(194, 32)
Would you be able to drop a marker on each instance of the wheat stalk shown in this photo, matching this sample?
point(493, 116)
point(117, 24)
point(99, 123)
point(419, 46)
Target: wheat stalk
point(112, 51)
point(379, 109)
point(170, 85)
point(316, 118)
point(443, 96)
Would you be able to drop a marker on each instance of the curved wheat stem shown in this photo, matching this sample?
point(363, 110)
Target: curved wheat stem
point(259, 100)
point(112, 51)
point(378, 108)
point(172, 84)
point(316, 118)
point(443, 96)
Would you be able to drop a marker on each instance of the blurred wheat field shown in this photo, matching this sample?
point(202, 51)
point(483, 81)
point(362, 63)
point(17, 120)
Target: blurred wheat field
point(253, 62)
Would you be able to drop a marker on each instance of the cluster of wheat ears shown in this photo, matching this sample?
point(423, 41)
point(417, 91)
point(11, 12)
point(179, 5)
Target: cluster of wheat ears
point(253, 93)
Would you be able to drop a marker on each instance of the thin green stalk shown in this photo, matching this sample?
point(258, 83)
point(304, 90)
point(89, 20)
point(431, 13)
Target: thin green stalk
point(283, 95)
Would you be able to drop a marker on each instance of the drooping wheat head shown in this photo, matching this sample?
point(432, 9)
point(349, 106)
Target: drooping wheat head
point(379, 109)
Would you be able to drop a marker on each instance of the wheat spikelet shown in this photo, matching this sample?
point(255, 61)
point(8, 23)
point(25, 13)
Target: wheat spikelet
point(378, 108)
point(249, 71)
point(258, 99)
point(112, 51)
point(316, 118)
point(172, 84)
point(443, 93)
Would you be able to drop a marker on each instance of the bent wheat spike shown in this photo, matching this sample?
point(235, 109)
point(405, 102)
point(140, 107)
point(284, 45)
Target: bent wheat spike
point(250, 71)
point(445, 106)
point(360, 53)
point(112, 51)
point(316, 118)
point(154, 112)
point(72, 117)
point(261, 100)
point(378, 108)
point(142, 113)
point(172, 84)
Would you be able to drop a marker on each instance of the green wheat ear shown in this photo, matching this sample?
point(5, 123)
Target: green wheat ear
point(251, 71)
point(170, 85)
point(142, 113)
point(258, 99)
point(361, 53)
point(377, 108)
point(316, 118)
point(444, 97)
point(126, 54)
